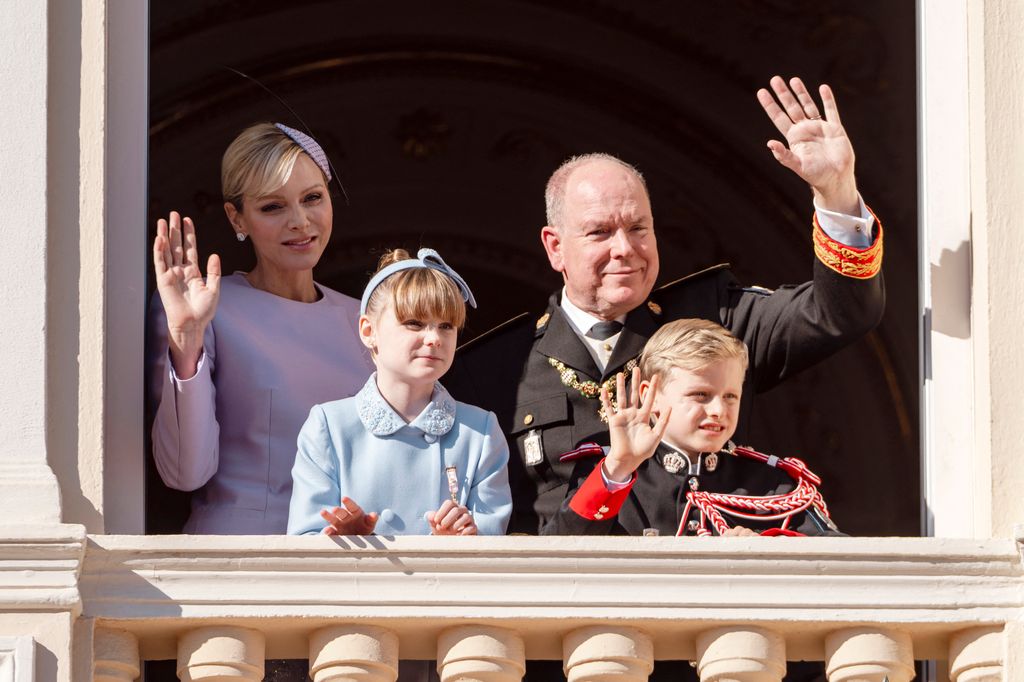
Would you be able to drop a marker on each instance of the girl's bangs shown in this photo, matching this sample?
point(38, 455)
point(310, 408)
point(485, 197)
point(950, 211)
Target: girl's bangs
point(424, 294)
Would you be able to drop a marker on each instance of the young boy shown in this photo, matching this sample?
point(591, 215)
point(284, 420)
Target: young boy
point(678, 473)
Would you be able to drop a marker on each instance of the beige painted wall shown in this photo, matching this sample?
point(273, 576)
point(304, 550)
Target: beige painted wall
point(996, 73)
point(52, 635)
point(79, 231)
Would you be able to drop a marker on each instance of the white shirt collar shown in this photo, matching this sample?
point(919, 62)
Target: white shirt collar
point(580, 319)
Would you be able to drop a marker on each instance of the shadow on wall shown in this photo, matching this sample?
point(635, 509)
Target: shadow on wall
point(951, 292)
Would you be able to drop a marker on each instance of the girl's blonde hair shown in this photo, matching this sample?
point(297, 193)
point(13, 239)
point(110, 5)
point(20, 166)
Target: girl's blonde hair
point(689, 344)
point(257, 162)
point(417, 293)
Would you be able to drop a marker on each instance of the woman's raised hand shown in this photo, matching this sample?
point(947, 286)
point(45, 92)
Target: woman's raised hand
point(189, 301)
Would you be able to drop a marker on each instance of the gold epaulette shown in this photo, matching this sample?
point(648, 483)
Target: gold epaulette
point(848, 261)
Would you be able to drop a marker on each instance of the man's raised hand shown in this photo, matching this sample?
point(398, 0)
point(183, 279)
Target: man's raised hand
point(817, 148)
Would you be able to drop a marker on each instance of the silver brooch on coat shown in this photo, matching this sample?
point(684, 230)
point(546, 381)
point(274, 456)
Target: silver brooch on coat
point(711, 461)
point(674, 462)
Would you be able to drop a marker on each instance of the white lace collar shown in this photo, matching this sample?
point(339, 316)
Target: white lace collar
point(380, 419)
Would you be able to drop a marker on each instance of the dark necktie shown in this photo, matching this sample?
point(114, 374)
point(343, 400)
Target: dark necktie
point(604, 330)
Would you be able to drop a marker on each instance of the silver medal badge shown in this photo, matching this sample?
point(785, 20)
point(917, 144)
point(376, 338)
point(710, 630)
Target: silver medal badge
point(711, 461)
point(533, 448)
point(673, 462)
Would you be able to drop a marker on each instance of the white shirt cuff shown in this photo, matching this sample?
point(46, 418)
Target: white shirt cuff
point(614, 486)
point(175, 379)
point(847, 229)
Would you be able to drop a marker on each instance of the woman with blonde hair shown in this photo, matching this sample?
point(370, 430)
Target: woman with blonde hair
point(241, 359)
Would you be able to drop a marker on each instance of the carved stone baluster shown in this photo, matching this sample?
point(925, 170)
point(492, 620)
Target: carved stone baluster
point(221, 654)
point(353, 653)
point(115, 656)
point(741, 654)
point(607, 654)
point(869, 655)
point(473, 653)
point(976, 655)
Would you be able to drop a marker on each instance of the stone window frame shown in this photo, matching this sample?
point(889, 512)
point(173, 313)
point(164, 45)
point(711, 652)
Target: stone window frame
point(945, 265)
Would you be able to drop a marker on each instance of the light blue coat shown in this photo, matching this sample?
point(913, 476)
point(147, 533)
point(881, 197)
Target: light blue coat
point(361, 448)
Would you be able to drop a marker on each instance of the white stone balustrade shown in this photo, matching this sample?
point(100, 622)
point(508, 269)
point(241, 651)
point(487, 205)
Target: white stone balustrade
point(869, 655)
point(115, 656)
point(608, 608)
point(474, 653)
point(976, 655)
point(221, 654)
point(741, 654)
point(607, 654)
point(352, 653)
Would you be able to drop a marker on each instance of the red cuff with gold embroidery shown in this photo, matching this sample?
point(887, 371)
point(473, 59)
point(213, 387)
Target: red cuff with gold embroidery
point(594, 501)
point(848, 261)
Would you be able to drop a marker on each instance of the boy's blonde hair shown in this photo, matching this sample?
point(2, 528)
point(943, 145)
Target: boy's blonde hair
point(417, 293)
point(689, 344)
point(257, 162)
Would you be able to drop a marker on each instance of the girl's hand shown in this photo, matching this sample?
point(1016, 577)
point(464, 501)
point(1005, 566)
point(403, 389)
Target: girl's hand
point(349, 519)
point(451, 519)
point(633, 437)
point(189, 301)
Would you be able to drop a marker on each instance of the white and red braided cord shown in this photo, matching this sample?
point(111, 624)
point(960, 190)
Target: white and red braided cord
point(712, 506)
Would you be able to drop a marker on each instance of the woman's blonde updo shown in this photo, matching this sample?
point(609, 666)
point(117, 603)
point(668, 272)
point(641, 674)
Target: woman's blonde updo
point(417, 293)
point(257, 162)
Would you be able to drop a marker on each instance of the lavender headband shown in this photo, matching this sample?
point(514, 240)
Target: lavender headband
point(310, 146)
point(425, 258)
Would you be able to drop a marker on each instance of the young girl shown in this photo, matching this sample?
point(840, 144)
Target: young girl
point(401, 457)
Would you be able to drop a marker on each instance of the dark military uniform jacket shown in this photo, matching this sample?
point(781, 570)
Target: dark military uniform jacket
point(656, 498)
point(507, 370)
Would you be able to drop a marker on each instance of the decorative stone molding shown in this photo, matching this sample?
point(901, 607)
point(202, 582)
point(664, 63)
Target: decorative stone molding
point(481, 654)
point(818, 581)
point(17, 659)
point(865, 654)
point(221, 653)
point(115, 656)
point(603, 653)
point(546, 588)
point(976, 655)
point(360, 653)
point(28, 491)
point(39, 567)
point(741, 654)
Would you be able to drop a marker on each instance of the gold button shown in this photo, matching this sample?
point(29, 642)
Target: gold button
point(528, 419)
point(608, 347)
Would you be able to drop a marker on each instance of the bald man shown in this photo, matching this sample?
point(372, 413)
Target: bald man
point(542, 374)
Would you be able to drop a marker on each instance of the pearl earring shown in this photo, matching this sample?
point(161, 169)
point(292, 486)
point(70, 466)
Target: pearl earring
point(240, 236)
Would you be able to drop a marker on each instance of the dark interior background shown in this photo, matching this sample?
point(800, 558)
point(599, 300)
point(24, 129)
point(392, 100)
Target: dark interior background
point(445, 118)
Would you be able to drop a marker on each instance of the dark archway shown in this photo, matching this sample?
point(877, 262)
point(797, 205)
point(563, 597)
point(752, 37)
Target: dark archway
point(445, 119)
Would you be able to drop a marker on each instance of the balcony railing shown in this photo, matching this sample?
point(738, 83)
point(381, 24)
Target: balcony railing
point(739, 608)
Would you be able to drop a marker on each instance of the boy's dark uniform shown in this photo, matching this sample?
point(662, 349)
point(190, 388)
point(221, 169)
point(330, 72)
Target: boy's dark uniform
point(657, 499)
point(785, 332)
point(658, 495)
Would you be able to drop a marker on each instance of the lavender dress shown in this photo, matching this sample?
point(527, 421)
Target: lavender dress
point(229, 432)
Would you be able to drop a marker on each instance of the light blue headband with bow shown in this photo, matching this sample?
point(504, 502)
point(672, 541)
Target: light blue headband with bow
point(425, 258)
